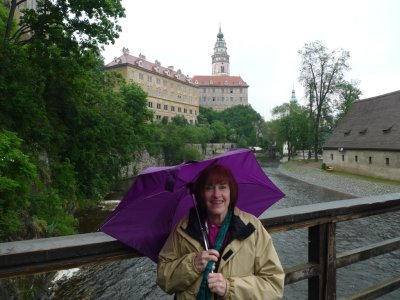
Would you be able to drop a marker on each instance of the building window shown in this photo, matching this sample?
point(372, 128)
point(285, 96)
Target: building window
point(185, 111)
point(356, 158)
point(141, 76)
point(158, 117)
point(387, 161)
point(370, 160)
point(342, 157)
point(331, 156)
point(149, 78)
point(158, 80)
point(158, 106)
point(165, 107)
point(172, 108)
point(179, 109)
point(150, 104)
point(191, 112)
point(213, 98)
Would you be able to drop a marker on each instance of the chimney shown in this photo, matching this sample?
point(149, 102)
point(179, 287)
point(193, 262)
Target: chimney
point(142, 56)
point(171, 68)
point(125, 51)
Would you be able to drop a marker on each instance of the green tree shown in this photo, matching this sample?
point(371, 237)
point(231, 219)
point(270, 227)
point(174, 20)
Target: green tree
point(219, 132)
point(348, 94)
point(77, 25)
point(293, 127)
point(17, 175)
point(245, 122)
point(321, 74)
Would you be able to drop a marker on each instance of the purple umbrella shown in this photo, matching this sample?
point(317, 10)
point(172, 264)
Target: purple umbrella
point(160, 197)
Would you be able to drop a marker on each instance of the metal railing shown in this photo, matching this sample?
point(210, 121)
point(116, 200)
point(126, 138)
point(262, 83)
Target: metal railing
point(59, 253)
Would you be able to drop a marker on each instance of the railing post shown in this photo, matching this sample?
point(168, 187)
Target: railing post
point(322, 251)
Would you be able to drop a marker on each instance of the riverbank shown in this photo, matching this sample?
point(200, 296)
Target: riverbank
point(358, 186)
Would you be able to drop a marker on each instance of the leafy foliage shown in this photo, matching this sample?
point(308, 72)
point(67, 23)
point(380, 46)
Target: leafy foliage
point(348, 94)
point(239, 124)
point(17, 175)
point(79, 125)
point(293, 127)
point(321, 74)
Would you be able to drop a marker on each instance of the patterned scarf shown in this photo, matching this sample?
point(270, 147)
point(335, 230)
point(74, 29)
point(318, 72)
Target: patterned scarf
point(204, 292)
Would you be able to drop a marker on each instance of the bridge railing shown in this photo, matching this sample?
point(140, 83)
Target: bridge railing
point(59, 253)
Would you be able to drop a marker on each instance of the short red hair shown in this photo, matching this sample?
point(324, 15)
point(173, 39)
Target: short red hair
point(215, 174)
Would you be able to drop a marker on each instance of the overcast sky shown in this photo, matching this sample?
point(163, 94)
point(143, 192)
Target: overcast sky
point(263, 38)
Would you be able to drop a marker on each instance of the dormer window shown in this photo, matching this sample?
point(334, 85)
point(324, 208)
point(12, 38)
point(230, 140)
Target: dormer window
point(167, 72)
point(364, 131)
point(387, 130)
point(140, 63)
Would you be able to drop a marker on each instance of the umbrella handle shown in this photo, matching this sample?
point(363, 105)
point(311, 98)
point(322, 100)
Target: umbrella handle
point(204, 230)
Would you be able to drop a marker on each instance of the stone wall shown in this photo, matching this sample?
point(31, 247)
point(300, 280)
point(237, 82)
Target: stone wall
point(143, 160)
point(213, 149)
point(380, 164)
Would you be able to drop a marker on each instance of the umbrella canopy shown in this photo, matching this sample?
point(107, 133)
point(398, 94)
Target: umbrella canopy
point(160, 197)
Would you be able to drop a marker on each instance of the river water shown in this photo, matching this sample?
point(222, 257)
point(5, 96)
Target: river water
point(135, 278)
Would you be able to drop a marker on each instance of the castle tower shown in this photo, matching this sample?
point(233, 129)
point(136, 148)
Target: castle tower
point(220, 58)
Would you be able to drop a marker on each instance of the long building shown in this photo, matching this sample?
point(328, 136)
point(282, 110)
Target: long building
point(220, 91)
point(367, 139)
point(170, 92)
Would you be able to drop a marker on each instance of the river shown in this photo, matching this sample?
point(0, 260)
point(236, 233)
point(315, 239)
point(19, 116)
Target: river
point(135, 278)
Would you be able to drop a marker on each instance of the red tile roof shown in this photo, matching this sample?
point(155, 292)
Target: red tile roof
point(127, 59)
point(219, 80)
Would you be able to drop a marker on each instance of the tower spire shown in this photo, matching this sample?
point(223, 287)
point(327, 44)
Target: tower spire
point(220, 58)
point(293, 99)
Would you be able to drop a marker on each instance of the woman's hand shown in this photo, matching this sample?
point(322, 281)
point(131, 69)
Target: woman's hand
point(201, 259)
point(217, 284)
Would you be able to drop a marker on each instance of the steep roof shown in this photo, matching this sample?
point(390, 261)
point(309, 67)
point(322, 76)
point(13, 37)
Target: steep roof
point(156, 67)
point(219, 80)
point(370, 124)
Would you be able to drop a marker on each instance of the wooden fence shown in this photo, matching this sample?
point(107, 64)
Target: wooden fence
point(59, 253)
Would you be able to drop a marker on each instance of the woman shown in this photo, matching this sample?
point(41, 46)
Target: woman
point(241, 262)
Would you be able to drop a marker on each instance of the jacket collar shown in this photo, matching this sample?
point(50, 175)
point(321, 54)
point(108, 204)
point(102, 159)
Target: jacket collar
point(238, 229)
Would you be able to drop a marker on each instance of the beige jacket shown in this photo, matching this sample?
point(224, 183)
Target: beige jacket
point(249, 262)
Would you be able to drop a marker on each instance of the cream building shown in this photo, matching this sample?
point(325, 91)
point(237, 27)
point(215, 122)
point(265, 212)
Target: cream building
point(170, 92)
point(220, 90)
point(367, 139)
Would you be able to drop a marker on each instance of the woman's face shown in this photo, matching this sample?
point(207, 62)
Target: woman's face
point(217, 198)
